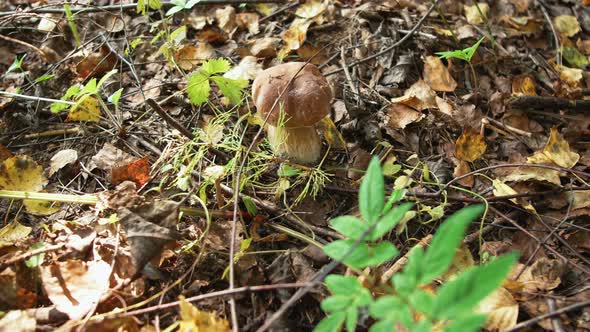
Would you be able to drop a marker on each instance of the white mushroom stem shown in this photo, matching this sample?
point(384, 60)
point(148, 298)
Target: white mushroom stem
point(298, 144)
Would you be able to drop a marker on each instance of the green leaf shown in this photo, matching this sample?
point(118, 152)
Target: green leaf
point(336, 303)
point(231, 88)
point(574, 57)
point(105, 78)
point(191, 3)
point(71, 92)
point(72, 24)
point(422, 301)
point(349, 226)
point(338, 284)
point(385, 325)
point(178, 35)
point(395, 197)
point(141, 8)
point(381, 253)
point(44, 78)
point(385, 305)
point(339, 250)
point(352, 316)
point(460, 295)
point(445, 242)
point(389, 220)
point(422, 326)
point(36, 260)
point(250, 205)
point(198, 88)
point(174, 10)
point(407, 281)
point(89, 89)
point(331, 323)
point(464, 54)
point(288, 170)
point(155, 4)
point(471, 323)
point(215, 66)
point(16, 64)
point(372, 192)
point(115, 97)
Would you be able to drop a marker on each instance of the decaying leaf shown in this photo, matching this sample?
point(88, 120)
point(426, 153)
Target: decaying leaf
point(580, 199)
point(87, 111)
point(463, 168)
point(437, 75)
point(419, 96)
point(188, 56)
point(477, 13)
point(137, 171)
point(61, 159)
point(502, 189)
point(567, 25)
point(470, 146)
point(247, 69)
point(75, 286)
point(572, 76)
point(248, 21)
point(12, 233)
point(193, 319)
point(18, 320)
point(22, 173)
point(558, 150)
point(226, 18)
point(523, 85)
point(501, 309)
point(401, 115)
point(108, 157)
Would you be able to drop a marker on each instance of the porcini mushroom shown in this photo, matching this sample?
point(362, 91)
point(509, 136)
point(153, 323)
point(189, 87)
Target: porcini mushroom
point(305, 101)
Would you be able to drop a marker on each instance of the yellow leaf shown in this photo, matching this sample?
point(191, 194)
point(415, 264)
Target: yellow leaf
point(558, 150)
point(523, 85)
point(40, 207)
point(470, 146)
point(332, 135)
point(501, 309)
point(572, 76)
point(567, 25)
point(13, 232)
point(87, 111)
point(266, 8)
point(21, 173)
point(502, 189)
point(581, 199)
point(195, 320)
point(477, 13)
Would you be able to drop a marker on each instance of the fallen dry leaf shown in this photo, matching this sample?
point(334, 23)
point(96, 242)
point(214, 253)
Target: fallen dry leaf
point(470, 146)
point(22, 173)
point(12, 233)
point(478, 13)
point(558, 150)
point(437, 75)
point(87, 111)
point(226, 18)
point(247, 69)
point(248, 21)
point(401, 115)
point(502, 189)
point(567, 25)
point(61, 159)
point(18, 320)
point(193, 319)
point(463, 168)
point(108, 157)
point(419, 96)
point(188, 56)
point(523, 85)
point(75, 286)
point(501, 309)
point(137, 171)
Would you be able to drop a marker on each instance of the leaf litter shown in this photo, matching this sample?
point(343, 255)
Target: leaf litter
point(439, 110)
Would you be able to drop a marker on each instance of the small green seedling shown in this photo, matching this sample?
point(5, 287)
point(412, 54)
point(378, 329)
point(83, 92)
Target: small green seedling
point(198, 87)
point(142, 5)
point(17, 64)
point(464, 54)
point(407, 305)
point(181, 5)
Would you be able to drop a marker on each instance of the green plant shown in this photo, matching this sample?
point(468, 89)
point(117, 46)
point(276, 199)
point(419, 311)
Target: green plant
point(181, 5)
point(142, 5)
point(198, 87)
point(72, 24)
point(17, 64)
point(465, 54)
point(406, 302)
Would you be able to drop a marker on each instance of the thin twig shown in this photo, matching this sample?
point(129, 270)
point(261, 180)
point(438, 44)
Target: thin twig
point(533, 321)
point(34, 48)
point(543, 5)
point(164, 115)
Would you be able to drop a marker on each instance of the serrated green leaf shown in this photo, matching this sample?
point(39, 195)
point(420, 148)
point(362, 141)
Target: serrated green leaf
point(349, 226)
point(472, 323)
point(215, 66)
point(445, 242)
point(198, 88)
point(372, 192)
point(336, 303)
point(331, 323)
point(385, 305)
point(338, 284)
point(339, 250)
point(231, 88)
point(352, 315)
point(389, 220)
point(460, 295)
point(381, 253)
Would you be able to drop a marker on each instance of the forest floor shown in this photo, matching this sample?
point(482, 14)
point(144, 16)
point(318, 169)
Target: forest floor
point(139, 191)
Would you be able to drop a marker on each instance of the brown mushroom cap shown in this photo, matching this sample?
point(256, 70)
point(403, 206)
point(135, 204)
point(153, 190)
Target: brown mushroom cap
point(306, 101)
